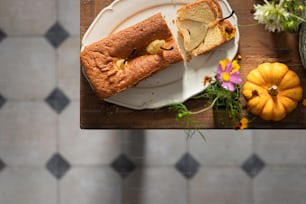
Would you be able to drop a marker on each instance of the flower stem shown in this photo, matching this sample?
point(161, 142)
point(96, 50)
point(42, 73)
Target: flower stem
point(281, 3)
point(247, 25)
point(205, 109)
point(297, 17)
point(266, 2)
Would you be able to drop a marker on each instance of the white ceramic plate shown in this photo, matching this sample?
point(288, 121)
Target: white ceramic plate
point(174, 84)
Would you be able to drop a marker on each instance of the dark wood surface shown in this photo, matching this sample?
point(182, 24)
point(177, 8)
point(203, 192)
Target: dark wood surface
point(256, 46)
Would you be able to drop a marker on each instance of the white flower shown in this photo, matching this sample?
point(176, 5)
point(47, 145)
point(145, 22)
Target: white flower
point(272, 15)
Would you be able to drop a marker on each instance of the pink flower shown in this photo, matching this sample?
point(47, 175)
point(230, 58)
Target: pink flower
point(228, 74)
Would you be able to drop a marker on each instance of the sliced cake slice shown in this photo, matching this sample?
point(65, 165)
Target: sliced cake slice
point(202, 27)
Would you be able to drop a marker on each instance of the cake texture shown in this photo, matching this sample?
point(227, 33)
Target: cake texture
point(121, 60)
point(202, 28)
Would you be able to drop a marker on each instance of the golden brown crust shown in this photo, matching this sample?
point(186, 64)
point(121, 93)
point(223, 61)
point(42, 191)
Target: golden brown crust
point(99, 59)
point(217, 7)
point(187, 11)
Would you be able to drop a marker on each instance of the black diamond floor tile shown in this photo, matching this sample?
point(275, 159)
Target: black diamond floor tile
point(2, 165)
point(57, 100)
point(253, 165)
point(56, 35)
point(57, 166)
point(187, 166)
point(2, 101)
point(123, 165)
point(2, 35)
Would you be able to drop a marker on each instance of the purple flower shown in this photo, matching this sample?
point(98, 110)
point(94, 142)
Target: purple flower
point(228, 74)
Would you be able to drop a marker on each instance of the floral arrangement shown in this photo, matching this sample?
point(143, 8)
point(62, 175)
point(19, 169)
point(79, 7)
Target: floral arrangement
point(224, 92)
point(281, 15)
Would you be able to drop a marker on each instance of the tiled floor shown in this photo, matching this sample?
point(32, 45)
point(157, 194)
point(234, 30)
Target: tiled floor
point(46, 159)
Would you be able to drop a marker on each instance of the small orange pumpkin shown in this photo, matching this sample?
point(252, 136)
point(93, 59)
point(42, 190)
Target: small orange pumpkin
point(272, 91)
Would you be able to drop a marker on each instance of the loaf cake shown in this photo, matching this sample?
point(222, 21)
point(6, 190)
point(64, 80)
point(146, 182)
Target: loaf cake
point(121, 60)
point(202, 28)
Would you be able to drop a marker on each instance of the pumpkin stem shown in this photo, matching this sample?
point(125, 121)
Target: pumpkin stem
point(273, 90)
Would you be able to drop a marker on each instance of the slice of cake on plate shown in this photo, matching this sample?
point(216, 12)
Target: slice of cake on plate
point(202, 27)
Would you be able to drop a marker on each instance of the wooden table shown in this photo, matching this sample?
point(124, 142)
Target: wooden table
point(256, 46)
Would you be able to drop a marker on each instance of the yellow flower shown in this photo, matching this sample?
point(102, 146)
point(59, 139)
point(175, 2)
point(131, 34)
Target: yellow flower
point(223, 63)
point(244, 123)
point(304, 102)
point(236, 66)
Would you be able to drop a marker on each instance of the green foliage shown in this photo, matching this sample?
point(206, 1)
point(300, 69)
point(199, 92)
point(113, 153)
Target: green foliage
point(220, 97)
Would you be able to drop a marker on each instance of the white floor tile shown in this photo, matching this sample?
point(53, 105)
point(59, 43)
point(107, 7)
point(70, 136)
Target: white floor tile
point(69, 67)
point(85, 185)
point(86, 147)
point(228, 185)
point(281, 146)
point(222, 147)
point(281, 185)
point(69, 16)
point(27, 133)
point(27, 185)
point(154, 185)
point(29, 71)
point(155, 147)
point(29, 17)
